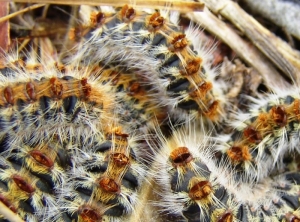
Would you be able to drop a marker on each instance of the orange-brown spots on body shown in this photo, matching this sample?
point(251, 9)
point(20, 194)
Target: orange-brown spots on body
point(180, 156)
point(75, 33)
point(225, 217)
point(204, 87)
point(133, 89)
point(41, 158)
point(86, 88)
point(239, 154)
point(201, 90)
point(212, 110)
point(279, 115)
point(200, 190)
point(296, 108)
point(97, 18)
point(192, 67)
point(252, 135)
point(56, 87)
point(156, 22)
point(117, 134)
point(23, 184)
point(9, 95)
point(89, 214)
point(30, 90)
point(178, 43)
point(34, 67)
point(120, 159)
point(7, 203)
point(109, 185)
point(60, 67)
point(127, 14)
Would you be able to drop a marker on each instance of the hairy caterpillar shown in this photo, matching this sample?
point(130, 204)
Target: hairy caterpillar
point(99, 175)
point(263, 136)
point(160, 52)
point(51, 102)
point(59, 99)
point(106, 173)
point(29, 175)
point(195, 187)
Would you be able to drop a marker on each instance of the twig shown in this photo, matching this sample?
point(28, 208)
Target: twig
point(5, 18)
point(263, 39)
point(249, 53)
point(159, 4)
point(8, 214)
point(4, 28)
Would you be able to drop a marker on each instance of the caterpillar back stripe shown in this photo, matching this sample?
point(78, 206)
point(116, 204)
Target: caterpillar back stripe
point(51, 102)
point(168, 59)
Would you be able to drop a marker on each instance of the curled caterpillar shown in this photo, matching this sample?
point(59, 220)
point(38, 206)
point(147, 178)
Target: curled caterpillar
point(151, 44)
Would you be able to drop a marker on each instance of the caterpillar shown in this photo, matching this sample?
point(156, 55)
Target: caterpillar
point(105, 178)
point(195, 188)
point(90, 178)
point(161, 53)
point(263, 136)
point(51, 102)
point(29, 175)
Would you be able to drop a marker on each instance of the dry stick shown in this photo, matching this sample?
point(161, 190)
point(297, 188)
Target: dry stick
point(159, 4)
point(262, 38)
point(5, 18)
point(281, 12)
point(8, 214)
point(4, 28)
point(249, 53)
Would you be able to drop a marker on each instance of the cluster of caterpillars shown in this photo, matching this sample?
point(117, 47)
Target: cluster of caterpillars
point(196, 188)
point(68, 146)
